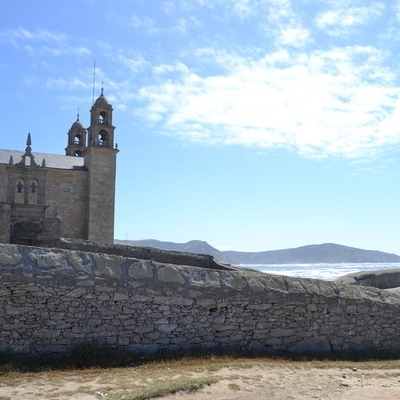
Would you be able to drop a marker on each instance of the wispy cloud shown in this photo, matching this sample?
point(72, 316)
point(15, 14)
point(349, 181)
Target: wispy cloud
point(293, 35)
point(284, 25)
point(40, 35)
point(343, 19)
point(73, 83)
point(322, 104)
point(145, 25)
point(42, 41)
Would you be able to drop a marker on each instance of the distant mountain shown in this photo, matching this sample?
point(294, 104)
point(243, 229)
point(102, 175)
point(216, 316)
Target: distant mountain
point(312, 254)
point(194, 246)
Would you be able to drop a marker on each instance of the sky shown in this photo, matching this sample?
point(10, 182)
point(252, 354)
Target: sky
point(252, 125)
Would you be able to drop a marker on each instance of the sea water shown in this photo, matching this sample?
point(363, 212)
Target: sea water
point(326, 272)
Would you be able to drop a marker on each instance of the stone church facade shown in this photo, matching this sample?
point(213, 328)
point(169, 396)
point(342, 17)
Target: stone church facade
point(44, 197)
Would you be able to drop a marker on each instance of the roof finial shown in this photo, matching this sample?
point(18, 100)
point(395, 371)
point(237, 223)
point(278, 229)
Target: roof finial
point(102, 88)
point(28, 143)
point(77, 115)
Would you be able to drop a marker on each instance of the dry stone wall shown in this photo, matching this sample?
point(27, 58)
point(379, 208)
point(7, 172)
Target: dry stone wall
point(52, 299)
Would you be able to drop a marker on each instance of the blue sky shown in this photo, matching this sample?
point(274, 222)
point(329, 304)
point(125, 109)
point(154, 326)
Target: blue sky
point(252, 125)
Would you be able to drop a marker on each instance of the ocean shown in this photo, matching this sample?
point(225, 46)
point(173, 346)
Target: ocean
point(325, 272)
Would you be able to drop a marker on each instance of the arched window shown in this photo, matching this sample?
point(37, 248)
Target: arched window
point(103, 118)
point(78, 139)
point(33, 191)
point(78, 153)
point(20, 191)
point(103, 138)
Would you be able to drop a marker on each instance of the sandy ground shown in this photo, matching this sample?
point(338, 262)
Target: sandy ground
point(259, 382)
point(297, 384)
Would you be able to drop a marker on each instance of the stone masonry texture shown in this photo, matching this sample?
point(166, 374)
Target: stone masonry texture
point(52, 299)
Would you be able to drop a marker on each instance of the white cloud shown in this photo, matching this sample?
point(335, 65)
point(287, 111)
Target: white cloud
point(294, 36)
point(283, 24)
point(343, 19)
point(243, 8)
point(322, 104)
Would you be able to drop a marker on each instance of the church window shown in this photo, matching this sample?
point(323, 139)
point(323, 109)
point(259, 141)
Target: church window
point(78, 153)
point(78, 139)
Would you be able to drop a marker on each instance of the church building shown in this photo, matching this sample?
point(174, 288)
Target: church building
point(45, 197)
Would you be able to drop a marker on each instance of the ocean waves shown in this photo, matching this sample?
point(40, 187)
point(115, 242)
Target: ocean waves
point(326, 272)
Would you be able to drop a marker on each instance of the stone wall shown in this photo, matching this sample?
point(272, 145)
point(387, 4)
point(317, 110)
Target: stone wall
point(51, 299)
point(144, 253)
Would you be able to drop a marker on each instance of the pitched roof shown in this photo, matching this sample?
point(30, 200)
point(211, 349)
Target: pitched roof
point(51, 160)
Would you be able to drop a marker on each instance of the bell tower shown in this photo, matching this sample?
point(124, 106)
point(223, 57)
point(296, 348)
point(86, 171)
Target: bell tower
point(101, 130)
point(76, 139)
point(100, 160)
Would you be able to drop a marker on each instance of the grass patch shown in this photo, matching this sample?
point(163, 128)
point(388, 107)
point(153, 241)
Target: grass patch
point(92, 369)
point(171, 388)
point(233, 386)
point(92, 355)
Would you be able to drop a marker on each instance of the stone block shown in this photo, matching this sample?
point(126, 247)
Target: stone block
point(170, 274)
point(120, 297)
point(46, 333)
point(166, 327)
point(9, 254)
point(316, 345)
point(49, 259)
point(281, 332)
point(256, 346)
point(109, 266)
point(233, 281)
point(141, 270)
point(213, 279)
point(76, 293)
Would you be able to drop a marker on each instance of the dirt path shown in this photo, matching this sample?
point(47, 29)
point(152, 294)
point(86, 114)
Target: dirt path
point(259, 382)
